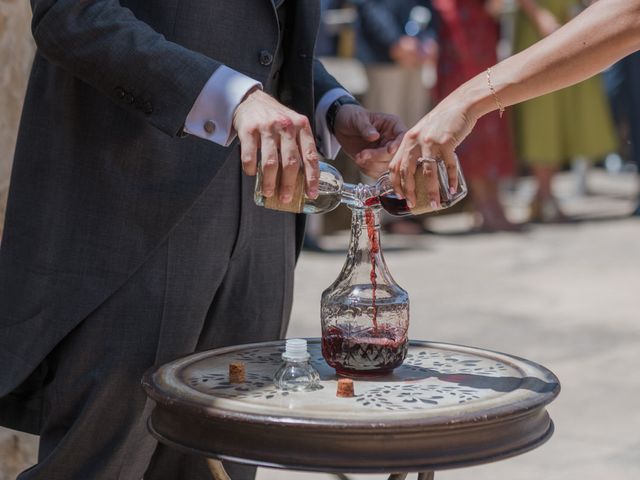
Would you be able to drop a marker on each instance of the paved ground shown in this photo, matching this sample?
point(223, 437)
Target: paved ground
point(565, 296)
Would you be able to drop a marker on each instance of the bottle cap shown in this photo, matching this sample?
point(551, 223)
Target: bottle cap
point(296, 350)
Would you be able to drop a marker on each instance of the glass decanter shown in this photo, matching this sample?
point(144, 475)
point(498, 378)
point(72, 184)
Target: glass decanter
point(332, 190)
point(365, 314)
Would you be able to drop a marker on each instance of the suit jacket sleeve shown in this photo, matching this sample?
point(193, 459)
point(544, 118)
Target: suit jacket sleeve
point(106, 46)
point(322, 81)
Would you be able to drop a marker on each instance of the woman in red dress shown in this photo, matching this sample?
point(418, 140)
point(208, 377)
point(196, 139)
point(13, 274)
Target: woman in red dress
point(468, 39)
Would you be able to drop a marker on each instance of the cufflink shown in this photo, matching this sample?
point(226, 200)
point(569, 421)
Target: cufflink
point(209, 126)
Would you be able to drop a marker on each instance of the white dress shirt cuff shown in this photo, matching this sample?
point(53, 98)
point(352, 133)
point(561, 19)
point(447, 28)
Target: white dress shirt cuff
point(211, 116)
point(327, 142)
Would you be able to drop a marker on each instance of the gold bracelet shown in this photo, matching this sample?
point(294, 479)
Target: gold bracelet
point(493, 92)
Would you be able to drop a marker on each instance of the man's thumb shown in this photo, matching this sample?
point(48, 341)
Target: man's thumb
point(367, 130)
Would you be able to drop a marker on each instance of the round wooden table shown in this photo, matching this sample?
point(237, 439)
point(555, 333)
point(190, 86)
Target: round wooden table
point(447, 406)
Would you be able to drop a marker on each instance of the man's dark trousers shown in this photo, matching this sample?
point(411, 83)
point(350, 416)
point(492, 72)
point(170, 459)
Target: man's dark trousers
point(238, 291)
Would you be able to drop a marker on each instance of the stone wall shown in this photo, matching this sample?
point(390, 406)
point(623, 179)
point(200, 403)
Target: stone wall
point(16, 54)
point(17, 451)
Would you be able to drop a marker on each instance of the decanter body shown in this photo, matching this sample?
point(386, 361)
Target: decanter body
point(365, 314)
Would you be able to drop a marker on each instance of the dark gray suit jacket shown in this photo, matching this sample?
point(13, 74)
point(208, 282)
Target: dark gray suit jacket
point(101, 173)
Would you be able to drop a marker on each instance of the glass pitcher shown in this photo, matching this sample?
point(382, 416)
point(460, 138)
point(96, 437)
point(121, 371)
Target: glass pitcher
point(364, 313)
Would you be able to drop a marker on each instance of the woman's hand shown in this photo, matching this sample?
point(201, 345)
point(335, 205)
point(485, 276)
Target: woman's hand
point(434, 137)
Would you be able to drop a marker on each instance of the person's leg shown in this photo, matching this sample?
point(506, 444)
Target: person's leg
point(252, 304)
point(94, 423)
point(545, 207)
point(485, 197)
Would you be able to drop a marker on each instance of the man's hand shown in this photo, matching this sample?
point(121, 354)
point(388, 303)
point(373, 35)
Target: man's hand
point(285, 142)
point(369, 138)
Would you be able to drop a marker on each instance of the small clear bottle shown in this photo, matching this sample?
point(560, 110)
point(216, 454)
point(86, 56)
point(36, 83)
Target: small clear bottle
point(296, 374)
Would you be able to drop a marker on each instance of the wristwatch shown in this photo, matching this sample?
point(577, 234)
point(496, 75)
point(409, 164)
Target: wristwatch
point(332, 111)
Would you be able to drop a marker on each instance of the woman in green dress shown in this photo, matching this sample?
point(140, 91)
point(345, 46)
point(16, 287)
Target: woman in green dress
point(556, 128)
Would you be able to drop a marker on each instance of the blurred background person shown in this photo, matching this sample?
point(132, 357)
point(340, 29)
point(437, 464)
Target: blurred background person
point(468, 39)
point(396, 40)
point(327, 44)
point(553, 130)
point(623, 87)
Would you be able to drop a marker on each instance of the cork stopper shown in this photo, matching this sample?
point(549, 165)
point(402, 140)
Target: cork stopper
point(345, 388)
point(237, 372)
point(296, 204)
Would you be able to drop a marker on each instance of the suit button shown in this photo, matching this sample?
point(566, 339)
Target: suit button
point(130, 99)
point(120, 93)
point(147, 108)
point(209, 127)
point(266, 58)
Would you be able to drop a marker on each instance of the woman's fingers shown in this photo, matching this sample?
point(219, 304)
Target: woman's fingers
point(408, 176)
point(430, 176)
point(451, 162)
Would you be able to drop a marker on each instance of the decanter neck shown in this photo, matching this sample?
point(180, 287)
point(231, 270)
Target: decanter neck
point(364, 247)
point(354, 195)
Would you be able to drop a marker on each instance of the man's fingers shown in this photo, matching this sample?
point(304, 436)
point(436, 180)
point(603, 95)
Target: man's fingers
point(367, 130)
point(310, 159)
point(290, 158)
point(269, 162)
point(249, 144)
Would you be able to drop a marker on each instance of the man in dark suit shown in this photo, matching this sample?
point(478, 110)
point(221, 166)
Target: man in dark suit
point(131, 235)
